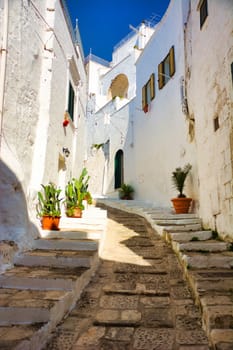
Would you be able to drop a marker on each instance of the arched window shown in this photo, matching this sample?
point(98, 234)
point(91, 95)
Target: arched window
point(119, 169)
point(119, 87)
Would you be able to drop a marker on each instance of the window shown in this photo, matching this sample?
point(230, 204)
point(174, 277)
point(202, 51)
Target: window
point(166, 68)
point(232, 72)
point(203, 12)
point(216, 123)
point(148, 92)
point(71, 101)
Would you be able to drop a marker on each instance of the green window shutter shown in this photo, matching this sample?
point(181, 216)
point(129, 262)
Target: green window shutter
point(160, 75)
point(71, 101)
point(172, 61)
point(152, 86)
point(144, 96)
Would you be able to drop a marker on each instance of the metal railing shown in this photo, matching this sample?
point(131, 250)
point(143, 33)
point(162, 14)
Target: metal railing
point(97, 60)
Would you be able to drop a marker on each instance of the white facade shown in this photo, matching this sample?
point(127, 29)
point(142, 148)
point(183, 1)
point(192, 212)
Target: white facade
point(188, 120)
point(112, 89)
point(210, 97)
point(161, 137)
point(157, 142)
point(41, 62)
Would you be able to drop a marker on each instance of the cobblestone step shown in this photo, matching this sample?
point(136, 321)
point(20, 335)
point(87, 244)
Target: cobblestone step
point(44, 278)
point(65, 244)
point(72, 234)
point(177, 221)
point(190, 236)
point(208, 266)
point(182, 228)
point(25, 307)
point(163, 215)
point(17, 337)
point(208, 260)
point(206, 246)
point(45, 283)
point(57, 258)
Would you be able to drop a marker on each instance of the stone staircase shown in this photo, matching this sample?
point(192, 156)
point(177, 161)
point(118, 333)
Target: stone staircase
point(46, 282)
point(207, 263)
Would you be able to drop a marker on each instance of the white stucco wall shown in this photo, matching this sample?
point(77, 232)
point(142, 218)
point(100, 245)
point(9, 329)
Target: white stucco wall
point(210, 95)
point(161, 141)
point(154, 144)
point(41, 60)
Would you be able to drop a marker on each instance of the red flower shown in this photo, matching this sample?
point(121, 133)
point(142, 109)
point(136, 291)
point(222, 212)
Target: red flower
point(65, 122)
point(145, 108)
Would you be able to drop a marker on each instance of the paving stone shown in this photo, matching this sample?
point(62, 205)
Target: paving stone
point(152, 339)
point(120, 302)
point(91, 337)
point(191, 337)
point(218, 316)
point(202, 246)
point(190, 236)
point(147, 303)
point(119, 333)
point(186, 322)
point(158, 318)
point(180, 292)
point(222, 338)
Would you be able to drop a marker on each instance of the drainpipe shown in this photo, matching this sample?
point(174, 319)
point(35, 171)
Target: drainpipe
point(3, 52)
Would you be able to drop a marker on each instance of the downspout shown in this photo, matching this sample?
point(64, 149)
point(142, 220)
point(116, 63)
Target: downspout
point(3, 52)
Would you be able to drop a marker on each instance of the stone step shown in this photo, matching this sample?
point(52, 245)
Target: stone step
point(169, 222)
point(166, 216)
point(44, 278)
point(72, 234)
point(190, 236)
point(207, 260)
point(82, 226)
point(25, 307)
point(57, 258)
point(222, 338)
point(181, 228)
point(207, 246)
point(218, 317)
point(215, 285)
point(22, 337)
point(65, 244)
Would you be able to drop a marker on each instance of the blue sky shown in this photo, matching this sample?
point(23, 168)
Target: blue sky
point(103, 23)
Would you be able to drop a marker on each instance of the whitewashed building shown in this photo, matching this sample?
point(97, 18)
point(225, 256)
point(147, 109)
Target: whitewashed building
point(166, 102)
point(209, 76)
point(42, 77)
point(143, 147)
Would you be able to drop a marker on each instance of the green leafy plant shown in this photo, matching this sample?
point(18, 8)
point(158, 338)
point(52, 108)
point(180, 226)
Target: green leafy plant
point(178, 178)
point(126, 191)
point(76, 191)
point(49, 201)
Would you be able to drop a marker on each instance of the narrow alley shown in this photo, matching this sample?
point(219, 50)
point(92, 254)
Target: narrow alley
point(138, 299)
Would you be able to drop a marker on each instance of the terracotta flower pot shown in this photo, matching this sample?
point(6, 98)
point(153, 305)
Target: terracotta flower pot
point(50, 223)
point(145, 108)
point(181, 205)
point(77, 213)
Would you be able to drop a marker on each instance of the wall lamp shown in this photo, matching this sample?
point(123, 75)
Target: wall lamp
point(66, 151)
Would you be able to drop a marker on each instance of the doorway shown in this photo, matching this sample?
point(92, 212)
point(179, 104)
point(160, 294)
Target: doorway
point(119, 169)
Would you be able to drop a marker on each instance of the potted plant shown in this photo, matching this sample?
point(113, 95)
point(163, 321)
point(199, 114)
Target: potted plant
point(126, 191)
point(181, 204)
point(48, 207)
point(75, 192)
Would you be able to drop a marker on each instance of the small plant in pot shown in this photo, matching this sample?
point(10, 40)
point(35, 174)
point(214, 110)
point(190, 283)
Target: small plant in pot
point(181, 204)
point(49, 206)
point(75, 193)
point(126, 191)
